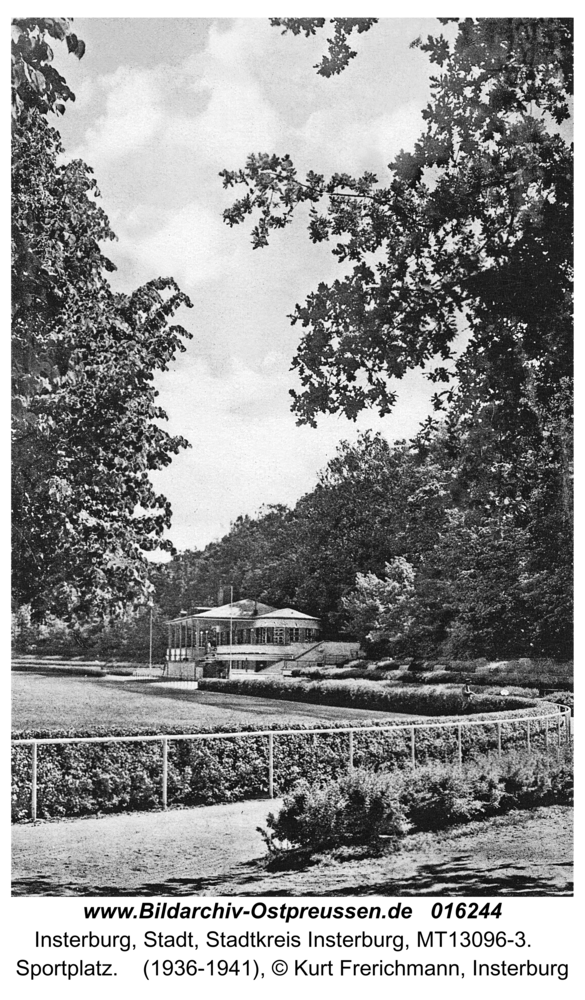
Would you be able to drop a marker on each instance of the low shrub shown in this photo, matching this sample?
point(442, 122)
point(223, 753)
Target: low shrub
point(334, 673)
point(387, 665)
point(436, 796)
point(366, 672)
point(462, 666)
point(362, 807)
point(543, 674)
point(356, 809)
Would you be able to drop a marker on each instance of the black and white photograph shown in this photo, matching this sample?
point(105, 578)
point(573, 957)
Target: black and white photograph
point(292, 466)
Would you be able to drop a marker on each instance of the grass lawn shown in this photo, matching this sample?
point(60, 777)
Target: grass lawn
point(40, 701)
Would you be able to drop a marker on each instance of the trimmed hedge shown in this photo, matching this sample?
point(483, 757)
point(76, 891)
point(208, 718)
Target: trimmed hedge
point(521, 673)
point(437, 677)
point(84, 779)
point(465, 666)
point(382, 696)
point(336, 673)
point(566, 698)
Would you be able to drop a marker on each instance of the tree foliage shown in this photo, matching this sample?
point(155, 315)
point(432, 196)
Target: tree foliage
point(382, 605)
point(35, 82)
point(86, 424)
point(473, 229)
point(459, 265)
point(339, 51)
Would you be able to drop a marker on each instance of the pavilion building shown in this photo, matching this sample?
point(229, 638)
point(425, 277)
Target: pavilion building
point(244, 635)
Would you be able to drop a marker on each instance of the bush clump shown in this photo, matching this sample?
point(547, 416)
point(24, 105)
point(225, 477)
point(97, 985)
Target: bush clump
point(363, 807)
point(355, 809)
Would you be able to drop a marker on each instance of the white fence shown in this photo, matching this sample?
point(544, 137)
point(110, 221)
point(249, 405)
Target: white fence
point(559, 716)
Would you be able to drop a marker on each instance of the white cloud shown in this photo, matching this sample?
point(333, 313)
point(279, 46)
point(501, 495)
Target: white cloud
point(365, 143)
point(238, 116)
point(397, 131)
point(133, 114)
point(211, 103)
point(192, 244)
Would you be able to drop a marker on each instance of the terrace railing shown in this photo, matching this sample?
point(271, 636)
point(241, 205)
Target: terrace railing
point(557, 729)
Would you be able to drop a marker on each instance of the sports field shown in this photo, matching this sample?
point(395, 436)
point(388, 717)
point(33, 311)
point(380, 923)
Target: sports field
point(40, 701)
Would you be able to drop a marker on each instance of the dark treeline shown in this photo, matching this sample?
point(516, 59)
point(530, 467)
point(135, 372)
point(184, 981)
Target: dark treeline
point(456, 544)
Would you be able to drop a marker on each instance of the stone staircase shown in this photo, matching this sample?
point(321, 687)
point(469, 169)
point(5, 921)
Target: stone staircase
point(325, 652)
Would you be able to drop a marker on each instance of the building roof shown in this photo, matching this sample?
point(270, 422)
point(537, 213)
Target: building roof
point(289, 613)
point(239, 609)
point(247, 610)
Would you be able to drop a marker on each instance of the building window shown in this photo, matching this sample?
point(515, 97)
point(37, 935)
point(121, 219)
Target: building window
point(279, 636)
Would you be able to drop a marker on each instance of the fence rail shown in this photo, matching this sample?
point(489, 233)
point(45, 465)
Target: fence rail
point(560, 718)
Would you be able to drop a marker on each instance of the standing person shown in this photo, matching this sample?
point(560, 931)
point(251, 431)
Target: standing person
point(467, 694)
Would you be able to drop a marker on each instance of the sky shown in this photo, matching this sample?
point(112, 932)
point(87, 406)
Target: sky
point(162, 105)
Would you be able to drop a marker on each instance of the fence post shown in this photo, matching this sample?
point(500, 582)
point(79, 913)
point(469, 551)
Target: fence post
point(165, 771)
point(33, 788)
point(499, 739)
point(546, 733)
point(412, 747)
point(351, 749)
point(528, 747)
point(568, 726)
point(271, 765)
point(559, 730)
point(459, 747)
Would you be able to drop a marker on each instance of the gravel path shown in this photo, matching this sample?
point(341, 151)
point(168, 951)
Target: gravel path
point(137, 852)
point(216, 851)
